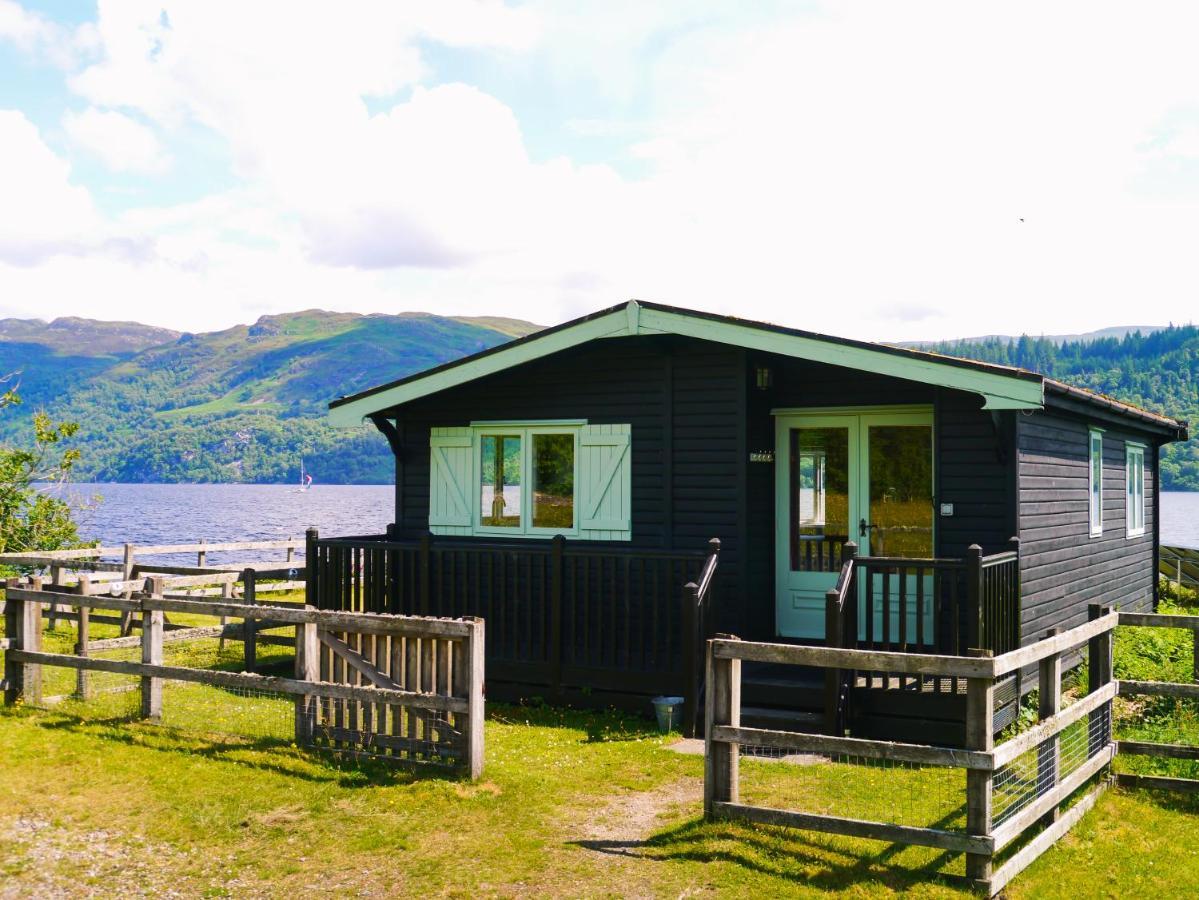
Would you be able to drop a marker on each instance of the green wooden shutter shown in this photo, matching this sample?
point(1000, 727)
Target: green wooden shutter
point(605, 483)
point(451, 485)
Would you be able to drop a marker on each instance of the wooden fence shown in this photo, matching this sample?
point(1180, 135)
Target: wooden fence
point(400, 688)
point(1161, 689)
point(991, 771)
point(594, 625)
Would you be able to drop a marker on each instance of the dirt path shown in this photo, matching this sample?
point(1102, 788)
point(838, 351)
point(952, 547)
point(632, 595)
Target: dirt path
point(633, 816)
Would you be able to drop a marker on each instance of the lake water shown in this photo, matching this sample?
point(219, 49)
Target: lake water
point(181, 513)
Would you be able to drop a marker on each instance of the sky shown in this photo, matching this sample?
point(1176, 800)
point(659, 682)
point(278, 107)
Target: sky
point(880, 170)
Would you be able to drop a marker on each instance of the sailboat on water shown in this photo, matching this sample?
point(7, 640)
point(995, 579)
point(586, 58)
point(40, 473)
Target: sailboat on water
point(305, 479)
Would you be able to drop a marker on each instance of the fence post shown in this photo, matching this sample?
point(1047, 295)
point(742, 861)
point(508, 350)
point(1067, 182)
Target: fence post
point(250, 628)
point(557, 546)
point(291, 551)
point(832, 676)
point(82, 636)
point(1099, 673)
point(311, 587)
point(980, 735)
point(468, 684)
point(723, 707)
point(152, 652)
point(23, 625)
point(307, 669)
point(56, 579)
point(425, 542)
point(974, 591)
point(201, 554)
point(690, 657)
point(1049, 698)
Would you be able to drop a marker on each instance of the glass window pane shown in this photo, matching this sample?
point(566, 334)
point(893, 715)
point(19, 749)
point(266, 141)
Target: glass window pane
point(500, 483)
point(553, 481)
point(1096, 482)
point(819, 498)
point(901, 491)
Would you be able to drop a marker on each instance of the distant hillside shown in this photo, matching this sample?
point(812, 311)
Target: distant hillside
point(1158, 371)
point(243, 404)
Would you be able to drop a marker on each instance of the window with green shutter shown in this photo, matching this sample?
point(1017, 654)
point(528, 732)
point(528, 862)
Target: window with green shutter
point(531, 479)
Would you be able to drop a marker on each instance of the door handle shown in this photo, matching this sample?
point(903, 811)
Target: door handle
point(864, 528)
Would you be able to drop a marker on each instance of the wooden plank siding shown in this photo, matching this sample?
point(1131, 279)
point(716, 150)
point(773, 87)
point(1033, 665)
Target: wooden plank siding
point(1063, 568)
point(681, 398)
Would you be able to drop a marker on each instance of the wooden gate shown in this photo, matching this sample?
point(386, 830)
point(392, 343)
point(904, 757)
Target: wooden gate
point(429, 659)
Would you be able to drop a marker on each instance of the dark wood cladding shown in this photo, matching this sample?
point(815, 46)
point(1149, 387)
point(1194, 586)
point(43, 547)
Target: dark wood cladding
point(1063, 568)
point(681, 398)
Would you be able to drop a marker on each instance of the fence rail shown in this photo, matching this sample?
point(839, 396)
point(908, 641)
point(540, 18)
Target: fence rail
point(404, 689)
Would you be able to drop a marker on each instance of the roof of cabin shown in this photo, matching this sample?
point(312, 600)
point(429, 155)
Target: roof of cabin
point(1001, 387)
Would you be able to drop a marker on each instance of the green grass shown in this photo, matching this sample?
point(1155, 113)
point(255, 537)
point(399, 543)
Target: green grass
point(216, 801)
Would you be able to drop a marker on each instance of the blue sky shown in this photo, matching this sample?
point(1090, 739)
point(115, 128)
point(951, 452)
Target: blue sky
point(886, 171)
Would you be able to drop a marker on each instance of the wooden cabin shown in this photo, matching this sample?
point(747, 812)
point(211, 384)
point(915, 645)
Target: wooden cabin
point(609, 492)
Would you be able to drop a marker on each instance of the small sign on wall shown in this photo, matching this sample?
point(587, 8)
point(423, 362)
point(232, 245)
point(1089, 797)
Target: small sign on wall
point(761, 456)
point(947, 509)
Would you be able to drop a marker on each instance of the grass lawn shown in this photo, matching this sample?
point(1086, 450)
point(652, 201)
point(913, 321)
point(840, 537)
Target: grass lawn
point(217, 802)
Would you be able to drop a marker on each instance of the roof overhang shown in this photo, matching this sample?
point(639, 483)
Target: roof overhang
point(998, 387)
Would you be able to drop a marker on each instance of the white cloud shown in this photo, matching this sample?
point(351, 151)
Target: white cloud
point(861, 169)
point(41, 212)
point(121, 143)
point(40, 37)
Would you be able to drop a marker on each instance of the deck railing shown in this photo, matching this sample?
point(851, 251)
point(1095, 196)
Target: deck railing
point(939, 605)
point(563, 620)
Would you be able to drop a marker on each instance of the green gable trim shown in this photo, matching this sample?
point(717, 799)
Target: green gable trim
point(1000, 389)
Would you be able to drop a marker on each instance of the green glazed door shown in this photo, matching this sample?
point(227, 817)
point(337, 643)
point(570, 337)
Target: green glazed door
point(863, 477)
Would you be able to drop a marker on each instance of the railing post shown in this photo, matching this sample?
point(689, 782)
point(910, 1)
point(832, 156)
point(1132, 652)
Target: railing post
point(832, 676)
point(311, 568)
point(152, 652)
point(249, 593)
point(426, 541)
point(1099, 673)
point(723, 707)
point(980, 735)
point(307, 669)
point(1049, 697)
point(82, 637)
point(690, 657)
point(557, 546)
point(974, 590)
point(23, 625)
point(201, 554)
point(291, 551)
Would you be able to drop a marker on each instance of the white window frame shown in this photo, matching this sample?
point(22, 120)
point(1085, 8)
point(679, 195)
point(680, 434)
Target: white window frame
point(1134, 489)
point(1094, 491)
point(526, 431)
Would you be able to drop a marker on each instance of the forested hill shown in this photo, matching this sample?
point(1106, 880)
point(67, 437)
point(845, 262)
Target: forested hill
point(248, 403)
point(243, 404)
point(1158, 371)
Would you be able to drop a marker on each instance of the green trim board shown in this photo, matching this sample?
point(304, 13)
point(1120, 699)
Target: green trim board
point(1000, 388)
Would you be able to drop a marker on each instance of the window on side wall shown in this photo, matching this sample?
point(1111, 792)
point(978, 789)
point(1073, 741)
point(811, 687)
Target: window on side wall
point(531, 480)
point(1095, 481)
point(1134, 489)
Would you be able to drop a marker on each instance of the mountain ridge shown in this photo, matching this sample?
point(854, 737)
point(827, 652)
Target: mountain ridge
point(246, 403)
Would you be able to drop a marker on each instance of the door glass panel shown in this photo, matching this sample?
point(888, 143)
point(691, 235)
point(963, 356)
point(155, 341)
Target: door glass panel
point(499, 492)
point(819, 498)
point(901, 490)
